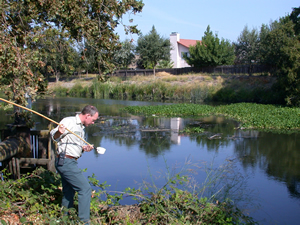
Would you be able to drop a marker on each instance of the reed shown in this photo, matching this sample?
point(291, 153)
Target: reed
point(80, 91)
point(157, 90)
point(60, 91)
point(189, 88)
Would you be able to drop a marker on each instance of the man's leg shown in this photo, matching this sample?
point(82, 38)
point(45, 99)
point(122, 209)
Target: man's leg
point(74, 177)
point(68, 194)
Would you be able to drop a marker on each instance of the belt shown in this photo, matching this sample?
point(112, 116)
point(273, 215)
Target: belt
point(68, 156)
point(71, 157)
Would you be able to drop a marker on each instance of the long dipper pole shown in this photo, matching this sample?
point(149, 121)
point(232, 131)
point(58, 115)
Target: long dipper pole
point(30, 110)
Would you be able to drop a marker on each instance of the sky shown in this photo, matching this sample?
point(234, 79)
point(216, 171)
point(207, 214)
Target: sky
point(190, 18)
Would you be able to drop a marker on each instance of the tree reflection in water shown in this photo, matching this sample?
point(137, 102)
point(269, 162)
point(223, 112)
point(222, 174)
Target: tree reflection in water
point(277, 154)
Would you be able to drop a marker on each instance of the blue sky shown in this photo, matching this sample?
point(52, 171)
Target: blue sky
point(190, 18)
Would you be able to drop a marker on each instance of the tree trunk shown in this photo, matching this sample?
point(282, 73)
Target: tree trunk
point(12, 146)
point(57, 76)
point(100, 78)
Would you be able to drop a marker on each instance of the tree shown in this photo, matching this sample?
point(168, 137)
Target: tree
point(57, 53)
point(126, 55)
point(264, 31)
point(282, 51)
point(247, 45)
point(88, 59)
point(211, 51)
point(247, 48)
point(19, 56)
point(295, 17)
point(23, 24)
point(163, 64)
point(152, 48)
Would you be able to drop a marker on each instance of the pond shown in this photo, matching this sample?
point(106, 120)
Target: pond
point(264, 167)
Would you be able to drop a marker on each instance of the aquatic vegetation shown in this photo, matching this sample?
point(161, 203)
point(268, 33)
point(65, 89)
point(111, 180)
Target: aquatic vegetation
point(251, 115)
point(192, 130)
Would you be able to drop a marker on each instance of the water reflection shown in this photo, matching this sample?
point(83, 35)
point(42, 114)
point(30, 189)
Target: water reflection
point(276, 154)
point(153, 135)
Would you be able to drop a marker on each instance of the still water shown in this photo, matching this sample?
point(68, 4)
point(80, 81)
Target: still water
point(263, 167)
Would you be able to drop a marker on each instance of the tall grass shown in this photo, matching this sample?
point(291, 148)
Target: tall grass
point(189, 88)
point(80, 91)
point(61, 91)
point(157, 90)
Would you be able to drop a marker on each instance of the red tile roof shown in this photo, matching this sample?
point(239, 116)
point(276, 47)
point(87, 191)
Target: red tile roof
point(187, 42)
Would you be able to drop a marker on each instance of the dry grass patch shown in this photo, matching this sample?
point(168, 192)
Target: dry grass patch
point(69, 84)
point(164, 74)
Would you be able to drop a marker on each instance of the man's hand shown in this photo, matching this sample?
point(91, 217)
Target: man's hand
point(60, 131)
point(61, 128)
point(88, 148)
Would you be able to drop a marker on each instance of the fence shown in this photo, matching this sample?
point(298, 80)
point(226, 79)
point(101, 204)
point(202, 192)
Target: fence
point(230, 70)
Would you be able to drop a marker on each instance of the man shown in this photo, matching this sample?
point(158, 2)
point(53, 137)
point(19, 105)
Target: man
point(69, 149)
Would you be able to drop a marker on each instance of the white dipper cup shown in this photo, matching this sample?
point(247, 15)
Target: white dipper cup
point(101, 150)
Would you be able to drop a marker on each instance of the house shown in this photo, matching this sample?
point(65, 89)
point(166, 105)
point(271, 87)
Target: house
point(180, 47)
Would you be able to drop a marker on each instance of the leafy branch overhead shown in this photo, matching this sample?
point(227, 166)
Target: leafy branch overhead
point(26, 31)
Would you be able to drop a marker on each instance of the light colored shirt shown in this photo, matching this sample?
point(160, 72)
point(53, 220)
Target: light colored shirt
point(68, 142)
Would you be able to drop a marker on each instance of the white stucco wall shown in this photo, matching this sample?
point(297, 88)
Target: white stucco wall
point(176, 51)
point(174, 38)
point(182, 49)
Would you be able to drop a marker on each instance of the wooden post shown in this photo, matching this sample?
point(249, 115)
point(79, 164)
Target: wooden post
point(14, 167)
point(18, 172)
point(10, 166)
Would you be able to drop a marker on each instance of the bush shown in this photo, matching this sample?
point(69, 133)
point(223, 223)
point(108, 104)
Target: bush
point(36, 198)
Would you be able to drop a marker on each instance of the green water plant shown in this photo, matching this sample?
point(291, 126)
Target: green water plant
point(251, 115)
point(189, 130)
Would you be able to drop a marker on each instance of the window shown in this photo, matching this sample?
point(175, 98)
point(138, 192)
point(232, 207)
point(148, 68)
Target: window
point(185, 54)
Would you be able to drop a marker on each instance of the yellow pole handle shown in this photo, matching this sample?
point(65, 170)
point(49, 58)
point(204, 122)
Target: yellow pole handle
point(30, 110)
